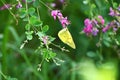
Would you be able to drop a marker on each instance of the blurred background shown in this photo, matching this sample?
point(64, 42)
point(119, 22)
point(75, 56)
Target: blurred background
point(78, 65)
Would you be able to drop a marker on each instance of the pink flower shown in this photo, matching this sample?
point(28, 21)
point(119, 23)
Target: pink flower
point(54, 13)
point(19, 5)
point(6, 6)
point(64, 22)
point(112, 12)
point(87, 22)
point(119, 8)
point(88, 26)
point(52, 4)
point(107, 27)
point(60, 16)
point(95, 31)
point(88, 29)
point(45, 39)
point(94, 22)
point(62, 1)
point(115, 29)
point(102, 21)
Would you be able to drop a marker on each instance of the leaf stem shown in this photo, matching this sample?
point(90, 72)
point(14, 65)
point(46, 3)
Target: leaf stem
point(38, 13)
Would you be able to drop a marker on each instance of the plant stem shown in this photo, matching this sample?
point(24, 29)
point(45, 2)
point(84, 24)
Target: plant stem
point(39, 17)
point(11, 13)
point(60, 47)
point(38, 13)
point(2, 74)
point(100, 40)
point(45, 4)
point(26, 5)
point(4, 50)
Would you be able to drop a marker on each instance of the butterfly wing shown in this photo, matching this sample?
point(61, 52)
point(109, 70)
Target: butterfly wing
point(66, 37)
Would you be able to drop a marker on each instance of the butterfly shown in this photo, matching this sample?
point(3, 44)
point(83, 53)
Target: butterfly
point(66, 37)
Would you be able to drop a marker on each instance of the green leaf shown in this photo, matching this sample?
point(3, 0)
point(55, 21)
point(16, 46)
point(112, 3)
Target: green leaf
point(25, 19)
point(45, 28)
point(29, 37)
point(48, 0)
point(51, 38)
point(38, 23)
point(40, 34)
point(93, 6)
point(32, 19)
point(36, 3)
point(48, 54)
point(106, 43)
point(45, 53)
point(29, 1)
point(115, 5)
point(29, 32)
point(52, 54)
point(27, 27)
point(35, 22)
point(31, 11)
point(9, 78)
point(91, 54)
point(23, 12)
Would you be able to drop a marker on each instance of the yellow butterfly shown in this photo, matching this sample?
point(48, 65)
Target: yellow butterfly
point(66, 37)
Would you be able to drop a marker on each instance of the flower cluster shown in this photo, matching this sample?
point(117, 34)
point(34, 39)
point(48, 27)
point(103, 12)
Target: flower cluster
point(63, 20)
point(62, 1)
point(91, 26)
point(56, 3)
point(19, 5)
point(114, 12)
point(8, 6)
point(115, 24)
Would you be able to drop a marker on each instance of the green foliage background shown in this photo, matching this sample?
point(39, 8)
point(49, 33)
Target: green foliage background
point(22, 64)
